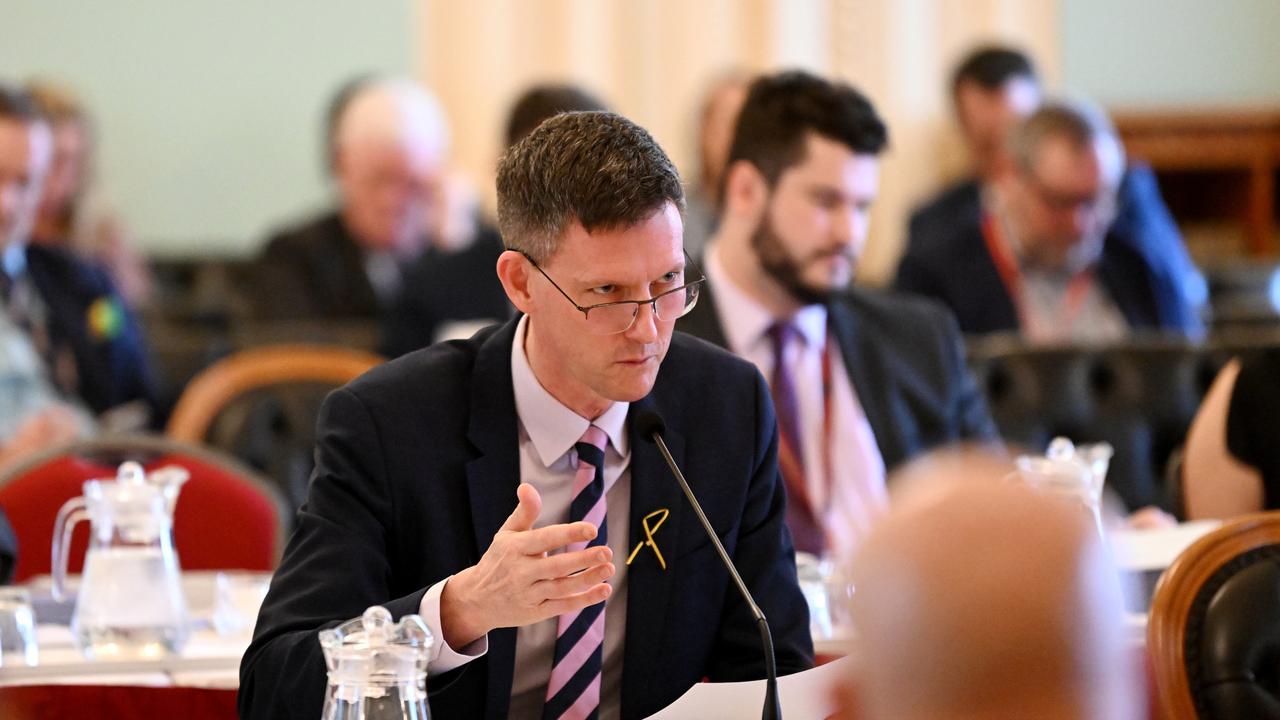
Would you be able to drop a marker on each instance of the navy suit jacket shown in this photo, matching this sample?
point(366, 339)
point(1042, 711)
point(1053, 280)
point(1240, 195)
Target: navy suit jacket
point(417, 467)
point(1144, 266)
point(906, 363)
point(112, 366)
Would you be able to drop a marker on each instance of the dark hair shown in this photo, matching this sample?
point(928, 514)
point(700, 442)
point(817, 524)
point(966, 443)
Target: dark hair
point(781, 110)
point(544, 101)
point(597, 168)
point(17, 104)
point(333, 114)
point(991, 66)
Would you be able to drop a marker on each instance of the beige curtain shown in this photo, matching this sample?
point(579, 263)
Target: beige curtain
point(651, 59)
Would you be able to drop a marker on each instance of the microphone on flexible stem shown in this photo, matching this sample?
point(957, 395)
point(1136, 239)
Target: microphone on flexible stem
point(651, 427)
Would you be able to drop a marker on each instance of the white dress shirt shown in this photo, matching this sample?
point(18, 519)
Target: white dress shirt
point(548, 432)
point(855, 495)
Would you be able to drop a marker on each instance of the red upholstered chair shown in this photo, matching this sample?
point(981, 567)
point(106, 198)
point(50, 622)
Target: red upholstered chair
point(226, 517)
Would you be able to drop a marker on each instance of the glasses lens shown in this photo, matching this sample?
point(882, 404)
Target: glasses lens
point(673, 304)
point(611, 319)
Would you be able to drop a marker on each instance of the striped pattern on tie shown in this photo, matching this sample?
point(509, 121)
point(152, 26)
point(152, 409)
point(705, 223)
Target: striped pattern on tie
point(574, 690)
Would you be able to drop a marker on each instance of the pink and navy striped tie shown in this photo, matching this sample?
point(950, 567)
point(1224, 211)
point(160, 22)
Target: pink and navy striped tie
point(574, 690)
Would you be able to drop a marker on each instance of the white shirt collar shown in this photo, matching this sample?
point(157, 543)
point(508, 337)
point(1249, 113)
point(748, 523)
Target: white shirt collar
point(552, 427)
point(746, 321)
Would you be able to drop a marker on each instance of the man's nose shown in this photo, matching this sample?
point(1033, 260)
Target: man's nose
point(645, 327)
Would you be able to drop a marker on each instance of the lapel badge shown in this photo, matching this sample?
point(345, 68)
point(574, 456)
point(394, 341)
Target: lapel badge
point(651, 523)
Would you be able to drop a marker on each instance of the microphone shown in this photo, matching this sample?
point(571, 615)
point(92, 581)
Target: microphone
point(651, 427)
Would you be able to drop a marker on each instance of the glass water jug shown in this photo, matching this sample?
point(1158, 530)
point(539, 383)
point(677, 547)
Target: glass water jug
point(130, 603)
point(1073, 471)
point(377, 668)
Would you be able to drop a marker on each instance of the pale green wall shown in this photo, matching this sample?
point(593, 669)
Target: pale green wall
point(1134, 53)
point(209, 112)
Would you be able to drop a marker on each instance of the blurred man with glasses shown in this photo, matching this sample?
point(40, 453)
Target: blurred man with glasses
point(1042, 260)
point(498, 487)
point(861, 381)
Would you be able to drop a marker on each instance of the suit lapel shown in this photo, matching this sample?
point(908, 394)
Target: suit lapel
point(492, 479)
point(1129, 284)
point(648, 585)
point(869, 382)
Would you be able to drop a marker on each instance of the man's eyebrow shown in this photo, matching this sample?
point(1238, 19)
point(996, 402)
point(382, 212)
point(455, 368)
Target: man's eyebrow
point(680, 266)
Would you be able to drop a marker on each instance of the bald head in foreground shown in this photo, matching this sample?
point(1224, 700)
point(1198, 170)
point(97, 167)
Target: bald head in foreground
point(982, 599)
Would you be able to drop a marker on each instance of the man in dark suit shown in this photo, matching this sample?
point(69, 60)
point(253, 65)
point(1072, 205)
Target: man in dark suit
point(398, 227)
point(90, 342)
point(861, 380)
point(992, 90)
point(1042, 257)
point(497, 485)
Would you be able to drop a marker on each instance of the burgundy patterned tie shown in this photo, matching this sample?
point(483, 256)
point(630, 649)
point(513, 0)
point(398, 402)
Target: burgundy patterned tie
point(806, 531)
point(574, 690)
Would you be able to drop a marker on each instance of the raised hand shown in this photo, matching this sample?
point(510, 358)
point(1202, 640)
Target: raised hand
point(517, 583)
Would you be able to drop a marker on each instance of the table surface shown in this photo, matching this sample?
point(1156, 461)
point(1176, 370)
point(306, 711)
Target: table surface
point(210, 660)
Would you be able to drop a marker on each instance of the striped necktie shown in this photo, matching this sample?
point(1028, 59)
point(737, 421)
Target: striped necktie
point(806, 529)
point(574, 690)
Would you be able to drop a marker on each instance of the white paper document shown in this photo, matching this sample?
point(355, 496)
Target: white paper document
point(804, 696)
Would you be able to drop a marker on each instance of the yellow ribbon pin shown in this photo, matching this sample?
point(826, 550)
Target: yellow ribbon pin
point(649, 532)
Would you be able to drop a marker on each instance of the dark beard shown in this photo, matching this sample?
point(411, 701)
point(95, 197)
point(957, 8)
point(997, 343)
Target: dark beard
point(780, 266)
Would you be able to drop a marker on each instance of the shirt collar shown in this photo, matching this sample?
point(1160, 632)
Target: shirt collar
point(552, 427)
point(746, 321)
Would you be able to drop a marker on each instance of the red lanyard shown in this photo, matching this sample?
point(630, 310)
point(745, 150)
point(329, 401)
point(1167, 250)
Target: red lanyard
point(1011, 276)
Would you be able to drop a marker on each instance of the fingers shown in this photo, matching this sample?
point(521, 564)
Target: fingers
point(562, 587)
point(526, 512)
point(557, 566)
point(554, 537)
point(560, 606)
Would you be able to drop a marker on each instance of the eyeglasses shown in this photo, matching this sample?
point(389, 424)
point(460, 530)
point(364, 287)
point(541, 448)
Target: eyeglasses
point(612, 318)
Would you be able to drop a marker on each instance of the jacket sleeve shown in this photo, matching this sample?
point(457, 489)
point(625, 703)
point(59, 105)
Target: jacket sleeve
point(335, 566)
point(765, 558)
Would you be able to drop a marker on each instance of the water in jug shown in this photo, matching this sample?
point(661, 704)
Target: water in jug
point(377, 668)
point(130, 603)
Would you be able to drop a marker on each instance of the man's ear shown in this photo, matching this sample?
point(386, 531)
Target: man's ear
point(513, 271)
point(745, 191)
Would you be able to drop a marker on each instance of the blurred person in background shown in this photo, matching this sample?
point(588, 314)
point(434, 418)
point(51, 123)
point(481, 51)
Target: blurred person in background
point(70, 215)
point(450, 295)
point(993, 89)
point(717, 115)
point(862, 380)
point(976, 598)
point(1041, 259)
point(90, 347)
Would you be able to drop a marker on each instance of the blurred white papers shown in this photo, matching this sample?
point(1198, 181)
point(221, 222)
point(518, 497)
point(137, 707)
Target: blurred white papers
point(804, 696)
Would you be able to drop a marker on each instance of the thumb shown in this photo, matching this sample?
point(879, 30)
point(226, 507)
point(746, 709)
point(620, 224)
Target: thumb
point(526, 512)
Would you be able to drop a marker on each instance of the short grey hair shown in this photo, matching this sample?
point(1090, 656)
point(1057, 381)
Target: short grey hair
point(597, 168)
point(1079, 123)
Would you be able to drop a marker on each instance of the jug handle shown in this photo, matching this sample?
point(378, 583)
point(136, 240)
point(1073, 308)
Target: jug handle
point(71, 513)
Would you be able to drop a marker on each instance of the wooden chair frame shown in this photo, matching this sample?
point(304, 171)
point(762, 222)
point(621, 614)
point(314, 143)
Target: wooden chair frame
point(219, 384)
point(1176, 593)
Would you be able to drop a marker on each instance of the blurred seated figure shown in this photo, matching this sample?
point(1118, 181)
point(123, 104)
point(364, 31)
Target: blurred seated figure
point(450, 295)
point(717, 117)
point(976, 598)
point(87, 339)
point(1231, 463)
point(388, 146)
point(70, 215)
point(992, 90)
point(1040, 259)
